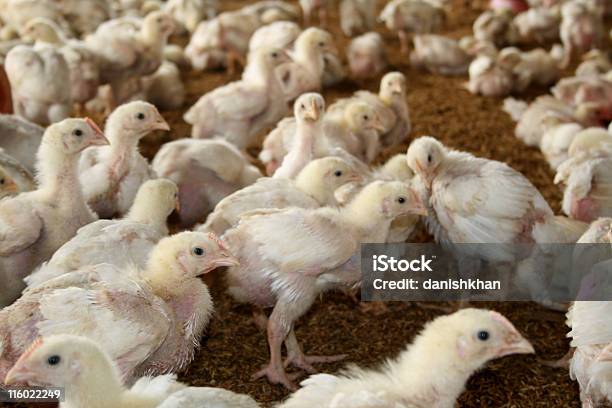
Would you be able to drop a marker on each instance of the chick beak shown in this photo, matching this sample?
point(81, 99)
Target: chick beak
point(177, 205)
point(11, 186)
point(377, 124)
point(313, 113)
point(19, 374)
point(397, 90)
point(354, 178)
point(99, 139)
point(225, 259)
point(419, 207)
point(160, 124)
point(517, 345)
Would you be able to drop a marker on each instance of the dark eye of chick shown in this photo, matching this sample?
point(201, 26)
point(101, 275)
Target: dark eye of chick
point(54, 360)
point(338, 173)
point(140, 116)
point(483, 335)
point(321, 44)
point(302, 106)
point(198, 251)
point(401, 200)
point(78, 132)
point(366, 117)
point(275, 55)
point(429, 158)
point(1, 181)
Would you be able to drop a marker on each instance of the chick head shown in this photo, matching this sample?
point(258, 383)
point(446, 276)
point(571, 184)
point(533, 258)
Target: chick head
point(159, 22)
point(309, 107)
point(58, 361)
point(134, 120)
point(73, 135)
point(478, 335)
point(315, 38)
point(424, 157)
point(392, 199)
point(393, 86)
point(397, 168)
point(269, 56)
point(361, 116)
point(7, 184)
point(42, 29)
point(189, 254)
point(329, 173)
point(161, 193)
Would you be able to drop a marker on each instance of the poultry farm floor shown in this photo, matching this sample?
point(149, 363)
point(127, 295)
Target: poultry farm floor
point(233, 348)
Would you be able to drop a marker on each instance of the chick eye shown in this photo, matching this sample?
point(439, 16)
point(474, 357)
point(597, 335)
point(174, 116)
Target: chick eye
point(140, 116)
point(197, 251)
point(1, 181)
point(429, 158)
point(483, 335)
point(302, 106)
point(54, 360)
point(321, 44)
point(77, 132)
point(275, 55)
point(338, 173)
point(401, 200)
point(366, 117)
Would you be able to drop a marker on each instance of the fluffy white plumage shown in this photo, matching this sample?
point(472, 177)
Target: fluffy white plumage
point(20, 139)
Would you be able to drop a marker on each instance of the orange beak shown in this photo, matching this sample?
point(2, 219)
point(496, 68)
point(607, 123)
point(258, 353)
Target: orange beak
point(160, 124)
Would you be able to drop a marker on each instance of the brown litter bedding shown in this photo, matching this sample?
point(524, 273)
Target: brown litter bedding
point(234, 348)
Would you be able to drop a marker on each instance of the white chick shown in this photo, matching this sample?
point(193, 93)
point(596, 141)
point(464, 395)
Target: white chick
point(305, 72)
point(390, 105)
point(18, 179)
point(556, 141)
point(534, 67)
point(84, 16)
point(39, 80)
point(111, 175)
point(319, 252)
point(269, 11)
point(33, 225)
point(82, 63)
point(581, 29)
point(20, 139)
point(366, 55)
point(206, 171)
point(477, 200)
point(189, 13)
point(309, 7)
point(587, 176)
point(489, 78)
point(121, 243)
point(314, 187)
point(240, 110)
point(439, 54)
point(432, 371)
point(16, 13)
point(165, 88)
point(412, 16)
point(496, 26)
point(90, 378)
point(594, 63)
point(280, 34)
point(539, 25)
point(591, 94)
point(308, 112)
point(149, 321)
point(128, 49)
point(357, 16)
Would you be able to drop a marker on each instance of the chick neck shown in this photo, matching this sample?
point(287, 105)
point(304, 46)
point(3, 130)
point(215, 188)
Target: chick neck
point(260, 72)
point(151, 212)
point(164, 276)
point(123, 143)
point(57, 174)
point(364, 213)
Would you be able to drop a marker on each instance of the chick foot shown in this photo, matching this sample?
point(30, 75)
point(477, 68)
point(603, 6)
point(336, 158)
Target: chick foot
point(305, 362)
point(276, 376)
point(563, 362)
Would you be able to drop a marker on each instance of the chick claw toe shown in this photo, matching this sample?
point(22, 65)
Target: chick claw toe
point(305, 362)
point(275, 376)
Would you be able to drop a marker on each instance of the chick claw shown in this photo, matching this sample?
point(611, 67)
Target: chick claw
point(305, 363)
point(276, 376)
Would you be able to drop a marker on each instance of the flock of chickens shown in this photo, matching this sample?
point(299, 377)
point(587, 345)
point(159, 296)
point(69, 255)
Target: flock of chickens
point(99, 298)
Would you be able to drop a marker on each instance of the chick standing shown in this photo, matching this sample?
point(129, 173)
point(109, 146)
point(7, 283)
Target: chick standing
point(91, 379)
point(33, 225)
point(432, 371)
point(149, 321)
point(240, 110)
point(318, 252)
point(121, 243)
point(366, 55)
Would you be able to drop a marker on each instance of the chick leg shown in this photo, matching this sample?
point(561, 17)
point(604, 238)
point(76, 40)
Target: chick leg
point(563, 362)
point(297, 358)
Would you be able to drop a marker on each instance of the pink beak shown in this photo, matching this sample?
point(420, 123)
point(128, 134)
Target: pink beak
point(99, 139)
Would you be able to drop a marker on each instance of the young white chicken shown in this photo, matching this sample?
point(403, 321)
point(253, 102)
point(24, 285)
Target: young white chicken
point(534, 67)
point(594, 63)
point(149, 321)
point(240, 110)
point(309, 7)
point(366, 55)
point(439, 54)
point(280, 34)
point(111, 175)
point(591, 94)
point(313, 187)
point(33, 225)
point(189, 13)
point(20, 139)
point(91, 379)
point(84, 16)
point(121, 243)
point(206, 171)
point(82, 63)
point(39, 80)
point(538, 24)
point(308, 113)
point(16, 13)
point(318, 252)
point(431, 372)
point(390, 105)
point(587, 176)
point(489, 78)
point(357, 16)
point(305, 71)
point(581, 29)
point(165, 88)
point(556, 142)
point(497, 27)
point(412, 16)
point(128, 49)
